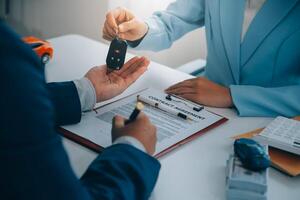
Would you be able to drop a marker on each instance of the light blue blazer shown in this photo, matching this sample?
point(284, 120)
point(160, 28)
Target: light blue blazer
point(263, 72)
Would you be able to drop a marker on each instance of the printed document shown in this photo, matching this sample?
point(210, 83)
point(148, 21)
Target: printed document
point(171, 129)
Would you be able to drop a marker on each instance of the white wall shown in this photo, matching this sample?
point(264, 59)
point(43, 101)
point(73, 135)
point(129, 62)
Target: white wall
point(51, 18)
point(2, 8)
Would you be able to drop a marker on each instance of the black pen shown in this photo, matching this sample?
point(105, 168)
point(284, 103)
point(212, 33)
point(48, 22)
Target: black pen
point(138, 108)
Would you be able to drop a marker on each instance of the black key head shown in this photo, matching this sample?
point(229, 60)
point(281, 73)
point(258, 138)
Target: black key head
point(116, 54)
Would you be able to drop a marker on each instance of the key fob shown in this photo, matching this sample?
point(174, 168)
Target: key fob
point(116, 54)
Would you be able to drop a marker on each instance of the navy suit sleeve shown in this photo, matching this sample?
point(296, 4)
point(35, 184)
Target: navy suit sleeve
point(66, 102)
point(34, 164)
point(121, 159)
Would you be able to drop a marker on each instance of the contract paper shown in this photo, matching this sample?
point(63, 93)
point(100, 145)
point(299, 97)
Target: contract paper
point(171, 129)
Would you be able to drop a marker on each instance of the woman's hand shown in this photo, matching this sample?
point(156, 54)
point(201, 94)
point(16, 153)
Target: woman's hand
point(203, 91)
point(122, 23)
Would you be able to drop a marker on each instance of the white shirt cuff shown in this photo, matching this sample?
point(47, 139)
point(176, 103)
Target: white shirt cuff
point(131, 141)
point(86, 93)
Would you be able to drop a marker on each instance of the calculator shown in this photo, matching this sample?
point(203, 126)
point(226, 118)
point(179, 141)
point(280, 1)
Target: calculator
point(282, 133)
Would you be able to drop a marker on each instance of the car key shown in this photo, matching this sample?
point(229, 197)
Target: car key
point(116, 54)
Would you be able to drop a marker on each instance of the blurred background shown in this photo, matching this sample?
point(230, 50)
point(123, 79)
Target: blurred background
point(52, 18)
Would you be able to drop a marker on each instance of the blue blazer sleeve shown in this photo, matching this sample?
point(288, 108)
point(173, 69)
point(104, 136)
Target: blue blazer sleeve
point(181, 17)
point(266, 102)
point(34, 164)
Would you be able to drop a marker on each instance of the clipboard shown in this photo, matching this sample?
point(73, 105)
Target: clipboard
point(96, 147)
point(284, 161)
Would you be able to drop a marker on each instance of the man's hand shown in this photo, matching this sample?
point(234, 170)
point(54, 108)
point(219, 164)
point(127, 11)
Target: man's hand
point(141, 129)
point(122, 23)
point(109, 85)
point(203, 91)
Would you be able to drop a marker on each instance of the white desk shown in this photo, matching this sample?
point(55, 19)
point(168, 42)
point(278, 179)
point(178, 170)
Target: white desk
point(192, 172)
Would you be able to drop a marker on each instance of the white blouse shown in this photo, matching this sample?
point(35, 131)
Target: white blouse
point(251, 9)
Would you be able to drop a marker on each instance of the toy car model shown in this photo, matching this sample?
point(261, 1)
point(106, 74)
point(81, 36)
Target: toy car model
point(252, 154)
point(41, 47)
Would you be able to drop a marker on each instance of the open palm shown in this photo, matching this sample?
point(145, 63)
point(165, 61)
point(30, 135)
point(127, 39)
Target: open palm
point(108, 85)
